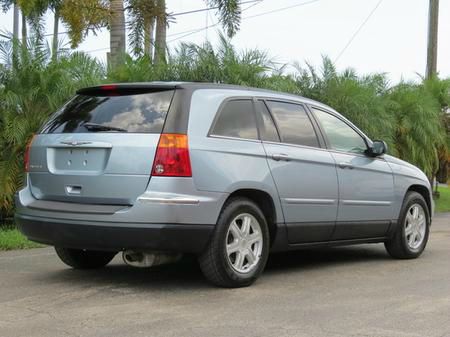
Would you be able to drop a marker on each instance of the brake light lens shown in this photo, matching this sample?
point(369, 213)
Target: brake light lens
point(26, 156)
point(110, 90)
point(109, 87)
point(172, 156)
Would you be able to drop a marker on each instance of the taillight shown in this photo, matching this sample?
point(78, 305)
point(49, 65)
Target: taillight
point(26, 157)
point(172, 156)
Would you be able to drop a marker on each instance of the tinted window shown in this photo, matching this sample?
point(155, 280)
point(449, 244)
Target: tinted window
point(268, 130)
point(340, 135)
point(236, 119)
point(294, 124)
point(143, 113)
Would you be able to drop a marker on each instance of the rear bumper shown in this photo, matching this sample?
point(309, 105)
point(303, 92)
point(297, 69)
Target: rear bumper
point(172, 215)
point(183, 238)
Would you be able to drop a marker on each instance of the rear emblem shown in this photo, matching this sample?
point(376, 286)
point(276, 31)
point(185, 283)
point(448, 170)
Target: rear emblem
point(75, 143)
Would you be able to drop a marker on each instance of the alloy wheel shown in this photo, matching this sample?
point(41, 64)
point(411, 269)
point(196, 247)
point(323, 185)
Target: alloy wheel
point(415, 226)
point(244, 243)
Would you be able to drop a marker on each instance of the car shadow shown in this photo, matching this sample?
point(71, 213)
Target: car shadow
point(316, 258)
point(186, 274)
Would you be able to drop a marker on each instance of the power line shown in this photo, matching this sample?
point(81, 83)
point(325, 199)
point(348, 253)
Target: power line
point(192, 32)
point(358, 31)
point(281, 9)
point(94, 50)
point(253, 5)
point(211, 8)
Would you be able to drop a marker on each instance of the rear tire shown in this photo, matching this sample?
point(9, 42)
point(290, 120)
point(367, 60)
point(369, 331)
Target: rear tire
point(239, 247)
point(84, 259)
point(411, 235)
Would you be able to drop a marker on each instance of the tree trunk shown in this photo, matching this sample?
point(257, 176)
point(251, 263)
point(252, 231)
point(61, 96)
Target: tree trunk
point(24, 31)
point(160, 36)
point(117, 33)
point(55, 36)
point(149, 41)
point(16, 22)
point(15, 34)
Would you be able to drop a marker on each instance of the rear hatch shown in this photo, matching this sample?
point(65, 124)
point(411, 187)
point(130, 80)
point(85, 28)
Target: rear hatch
point(99, 148)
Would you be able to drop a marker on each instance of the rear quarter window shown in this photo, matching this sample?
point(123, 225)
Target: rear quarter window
point(236, 119)
point(138, 113)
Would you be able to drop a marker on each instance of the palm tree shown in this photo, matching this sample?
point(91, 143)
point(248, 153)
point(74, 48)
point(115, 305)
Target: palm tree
point(149, 40)
point(55, 6)
point(84, 16)
point(419, 133)
point(142, 15)
point(16, 22)
point(117, 40)
point(145, 13)
point(161, 32)
point(229, 13)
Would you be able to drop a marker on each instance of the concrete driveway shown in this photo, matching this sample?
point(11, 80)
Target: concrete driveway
point(351, 291)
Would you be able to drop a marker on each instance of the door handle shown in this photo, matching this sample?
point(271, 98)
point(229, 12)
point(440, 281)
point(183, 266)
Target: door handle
point(73, 189)
point(345, 165)
point(280, 156)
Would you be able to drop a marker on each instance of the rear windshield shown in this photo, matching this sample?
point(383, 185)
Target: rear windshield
point(142, 113)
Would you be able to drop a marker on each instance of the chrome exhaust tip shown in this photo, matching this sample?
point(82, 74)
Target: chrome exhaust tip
point(148, 259)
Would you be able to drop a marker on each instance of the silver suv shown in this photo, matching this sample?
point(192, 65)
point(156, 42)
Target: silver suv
point(229, 173)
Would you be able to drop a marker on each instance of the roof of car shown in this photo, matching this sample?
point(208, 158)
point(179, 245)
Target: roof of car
point(201, 86)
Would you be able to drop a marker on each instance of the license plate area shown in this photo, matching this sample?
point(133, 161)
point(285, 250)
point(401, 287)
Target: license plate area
point(89, 161)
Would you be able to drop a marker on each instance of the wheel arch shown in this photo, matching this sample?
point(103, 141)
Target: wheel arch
point(425, 193)
point(265, 202)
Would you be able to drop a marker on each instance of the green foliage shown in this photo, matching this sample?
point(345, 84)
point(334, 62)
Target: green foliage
point(419, 133)
point(83, 16)
point(191, 62)
point(229, 14)
point(140, 15)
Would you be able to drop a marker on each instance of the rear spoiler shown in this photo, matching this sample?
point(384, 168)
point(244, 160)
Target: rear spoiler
point(124, 89)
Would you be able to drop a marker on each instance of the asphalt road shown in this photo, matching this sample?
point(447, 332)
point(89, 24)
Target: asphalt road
point(351, 291)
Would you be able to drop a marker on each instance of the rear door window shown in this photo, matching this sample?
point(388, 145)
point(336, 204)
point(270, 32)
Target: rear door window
point(293, 123)
point(236, 119)
point(137, 113)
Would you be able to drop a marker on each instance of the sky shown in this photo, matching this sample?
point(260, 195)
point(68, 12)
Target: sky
point(393, 40)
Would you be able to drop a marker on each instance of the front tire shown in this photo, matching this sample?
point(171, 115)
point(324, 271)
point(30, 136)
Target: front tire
point(239, 247)
point(411, 235)
point(84, 259)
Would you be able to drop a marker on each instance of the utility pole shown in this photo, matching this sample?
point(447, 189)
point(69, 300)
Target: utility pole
point(433, 24)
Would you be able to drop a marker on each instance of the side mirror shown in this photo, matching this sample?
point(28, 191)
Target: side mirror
point(378, 148)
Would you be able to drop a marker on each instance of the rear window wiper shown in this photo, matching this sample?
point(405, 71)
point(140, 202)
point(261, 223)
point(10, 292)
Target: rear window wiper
point(101, 127)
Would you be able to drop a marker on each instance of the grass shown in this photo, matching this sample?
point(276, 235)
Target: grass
point(443, 202)
point(11, 238)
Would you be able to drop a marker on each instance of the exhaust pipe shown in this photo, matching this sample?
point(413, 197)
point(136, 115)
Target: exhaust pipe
point(148, 259)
